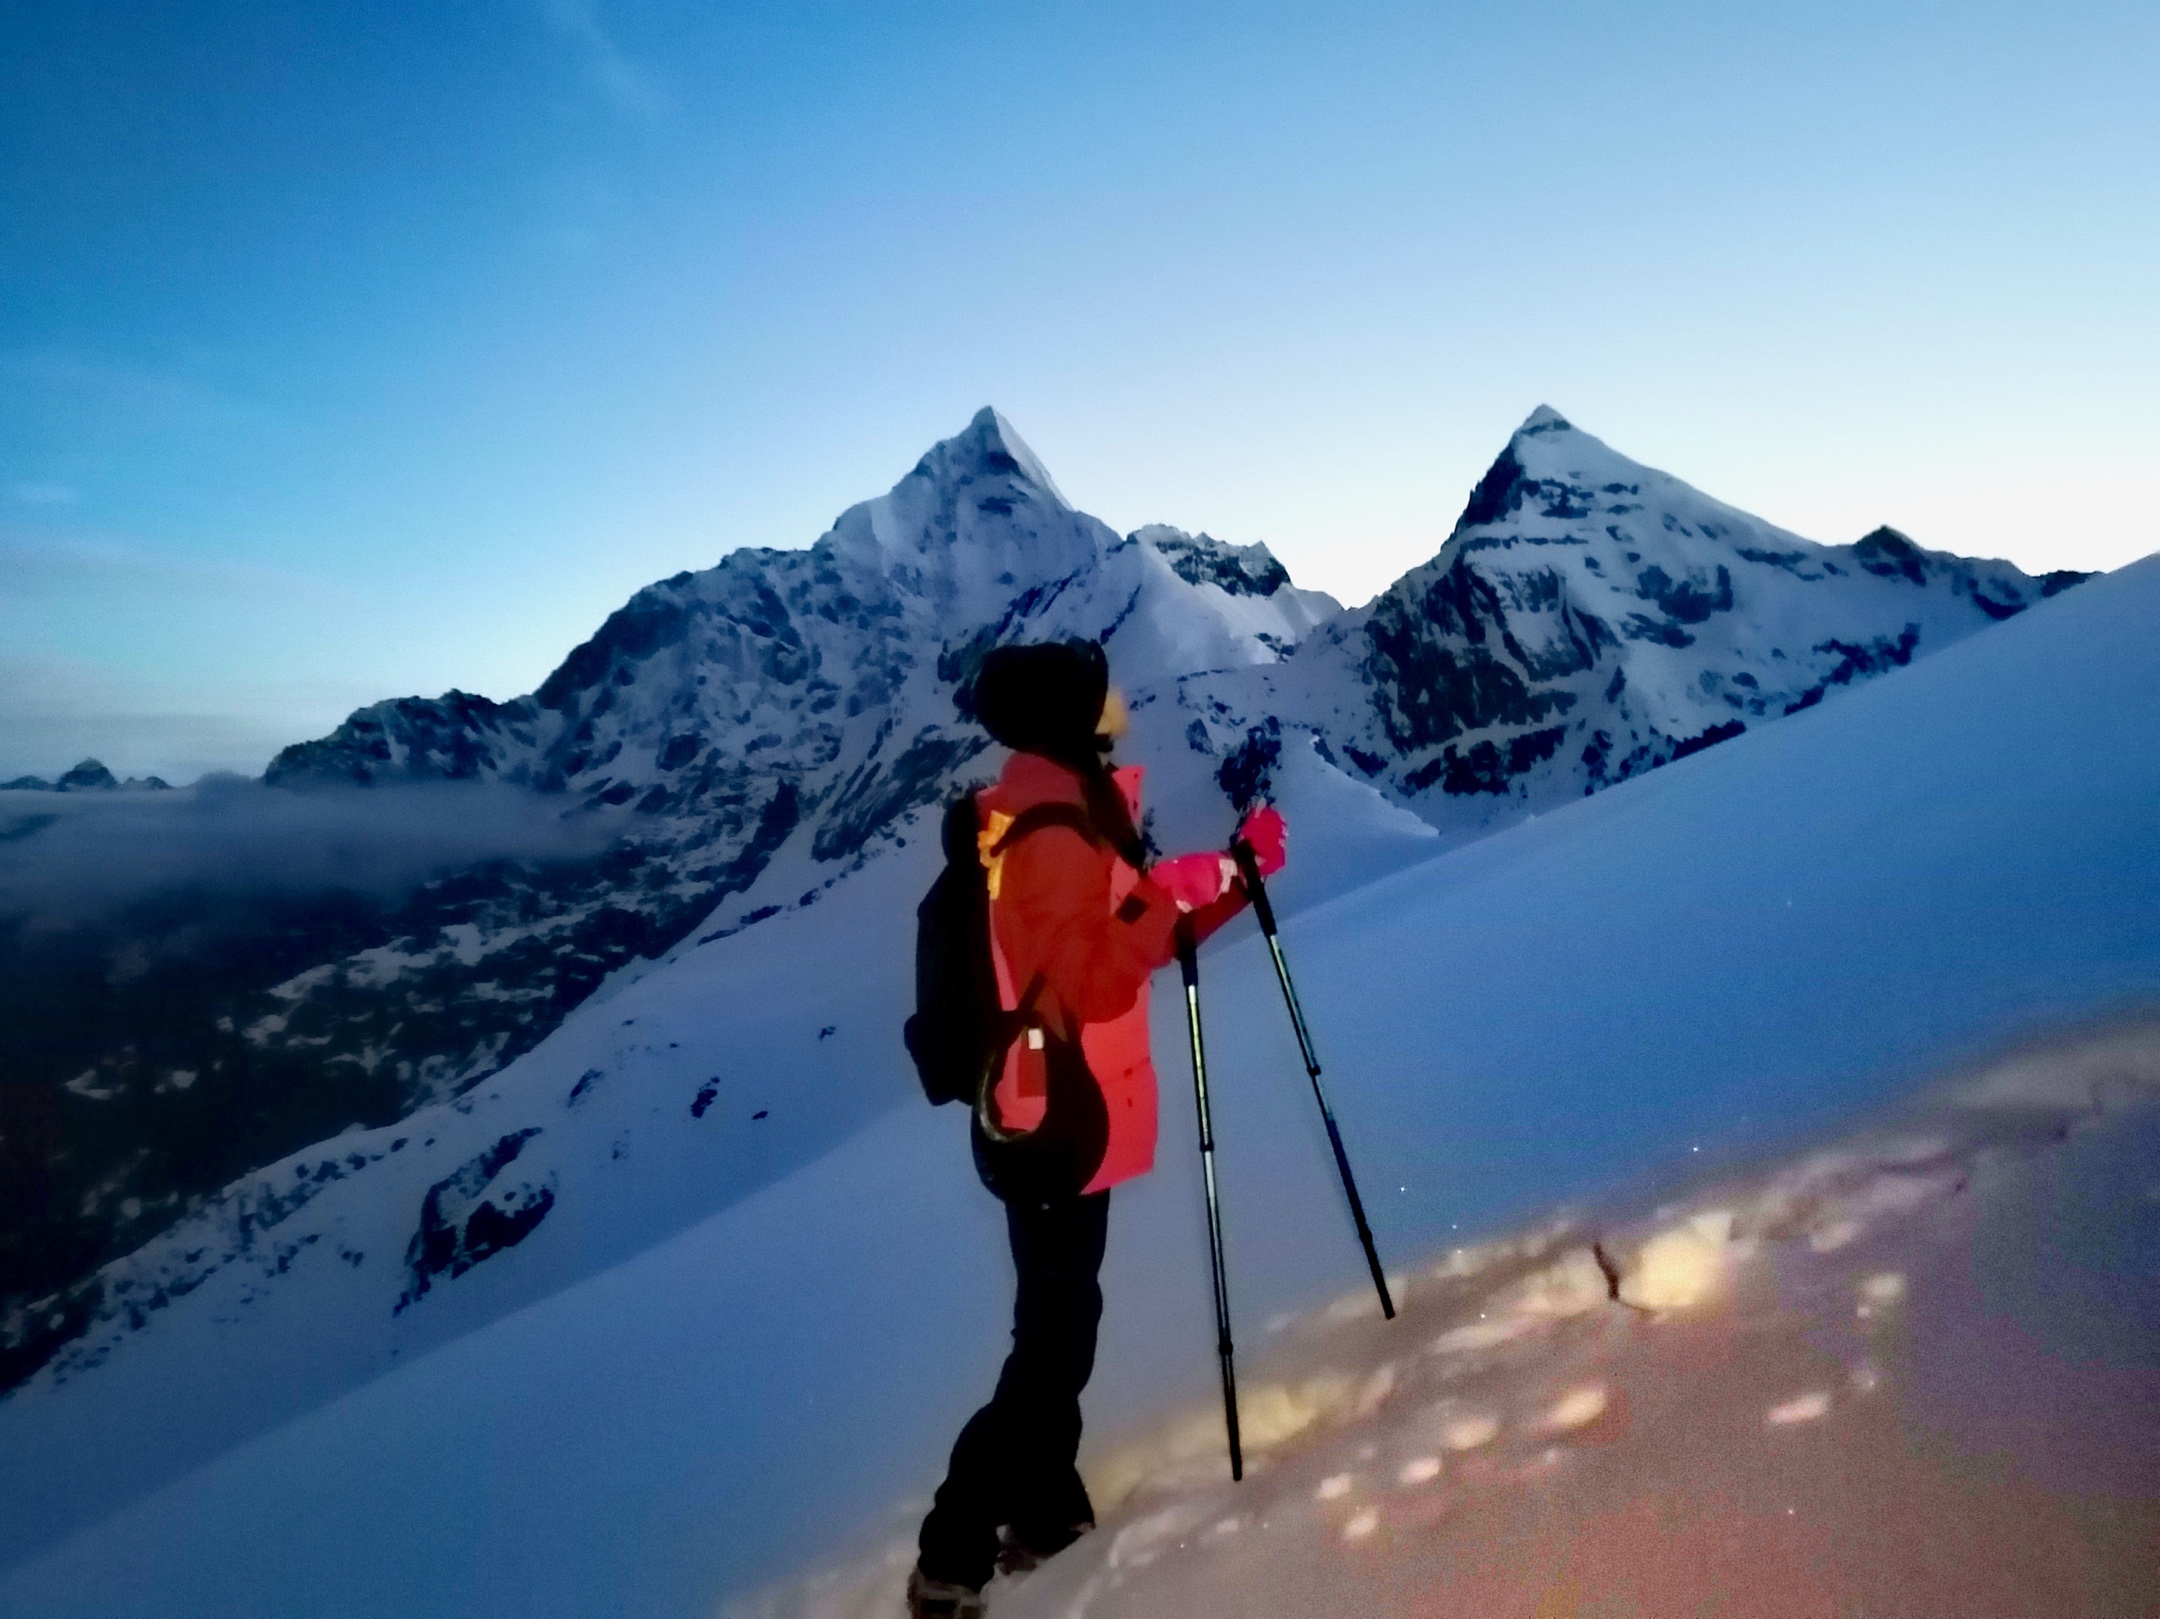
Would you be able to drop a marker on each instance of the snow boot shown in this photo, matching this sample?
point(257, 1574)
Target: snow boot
point(934, 1599)
point(1019, 1551)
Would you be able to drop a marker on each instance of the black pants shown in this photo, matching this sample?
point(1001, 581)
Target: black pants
point(1013, 1462)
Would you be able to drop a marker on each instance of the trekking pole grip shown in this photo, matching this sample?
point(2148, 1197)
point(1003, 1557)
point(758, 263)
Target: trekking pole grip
point(1248, 864)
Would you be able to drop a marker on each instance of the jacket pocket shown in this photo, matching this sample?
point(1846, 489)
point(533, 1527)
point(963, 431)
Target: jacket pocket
point(1061, 1154)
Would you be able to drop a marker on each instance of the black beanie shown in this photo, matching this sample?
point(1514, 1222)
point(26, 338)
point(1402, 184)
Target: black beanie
point(1046, 698)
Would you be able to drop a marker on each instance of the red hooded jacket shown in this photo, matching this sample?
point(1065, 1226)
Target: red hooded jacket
point(1096, 929)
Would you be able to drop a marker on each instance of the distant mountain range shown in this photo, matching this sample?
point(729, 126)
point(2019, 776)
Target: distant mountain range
point(90, 776)
point(746, 739)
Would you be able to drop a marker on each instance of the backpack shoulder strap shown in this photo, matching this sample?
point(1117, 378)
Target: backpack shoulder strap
point(1033, 820)
point(994, 841)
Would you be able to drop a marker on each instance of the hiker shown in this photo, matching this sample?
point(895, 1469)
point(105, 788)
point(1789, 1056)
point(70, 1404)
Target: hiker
point(1079, 920)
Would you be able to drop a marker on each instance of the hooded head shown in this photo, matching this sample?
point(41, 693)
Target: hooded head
point(1046, 698)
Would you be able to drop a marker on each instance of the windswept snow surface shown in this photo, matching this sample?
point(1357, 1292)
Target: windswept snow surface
point(1766, 938)
point(1913, 1370)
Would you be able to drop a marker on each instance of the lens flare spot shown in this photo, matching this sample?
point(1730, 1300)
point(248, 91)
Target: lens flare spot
point(1806, 1407)
point(1829, 1238)
point(1487, 1334)
point(1675, 1270)
point(1884, 1288)
point(1467, 1433)
point(1577, 1407)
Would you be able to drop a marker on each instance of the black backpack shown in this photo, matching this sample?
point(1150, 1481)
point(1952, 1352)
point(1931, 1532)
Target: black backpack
point(961, 1030)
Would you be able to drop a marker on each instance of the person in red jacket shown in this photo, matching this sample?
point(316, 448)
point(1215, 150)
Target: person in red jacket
point(1080, 919)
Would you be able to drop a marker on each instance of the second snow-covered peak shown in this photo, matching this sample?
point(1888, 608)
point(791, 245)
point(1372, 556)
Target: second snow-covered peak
point(1552, 469)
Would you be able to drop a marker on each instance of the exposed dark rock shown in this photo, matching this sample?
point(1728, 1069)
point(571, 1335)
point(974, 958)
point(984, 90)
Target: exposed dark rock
point(454, 737)
point(1795, 563)
point(466, 1217)
point(877, 794)
point(1201, 559)
point(1247, 771)
point(1890, 555)
point(641, 626)
point(1686, 601)
point(1664, 631)
point(1487, 766)
point(1499, 492)
point(1432, 691)
point(1708, 739)
point(1855, 661)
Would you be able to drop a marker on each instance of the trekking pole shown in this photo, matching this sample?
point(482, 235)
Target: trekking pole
point(1249, 867)
point(1189, 967)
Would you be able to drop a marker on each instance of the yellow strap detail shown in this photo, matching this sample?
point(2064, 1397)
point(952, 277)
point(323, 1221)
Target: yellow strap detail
point(987, 840)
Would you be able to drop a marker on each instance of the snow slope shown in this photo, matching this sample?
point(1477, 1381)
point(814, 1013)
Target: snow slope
point(1912, 1369)
point(1763, 938)
point(668, 1095)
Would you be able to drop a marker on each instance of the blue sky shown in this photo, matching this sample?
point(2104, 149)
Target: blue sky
point(355, 350)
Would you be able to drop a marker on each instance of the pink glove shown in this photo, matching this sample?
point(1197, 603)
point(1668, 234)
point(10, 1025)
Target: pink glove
point(1265, 832)
point(1194, 880)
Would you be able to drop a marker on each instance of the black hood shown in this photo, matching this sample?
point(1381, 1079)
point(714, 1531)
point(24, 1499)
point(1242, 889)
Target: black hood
point(1046, 698)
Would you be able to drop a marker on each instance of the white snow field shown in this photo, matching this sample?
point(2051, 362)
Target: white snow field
point(1764, 940)
point(1913, 1370)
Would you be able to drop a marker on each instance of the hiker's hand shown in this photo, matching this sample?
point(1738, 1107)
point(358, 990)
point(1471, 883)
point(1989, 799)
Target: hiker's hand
point(1194, 880)
point(1266, 834)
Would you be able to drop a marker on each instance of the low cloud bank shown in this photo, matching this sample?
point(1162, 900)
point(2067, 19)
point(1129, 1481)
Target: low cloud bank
point(67, 859)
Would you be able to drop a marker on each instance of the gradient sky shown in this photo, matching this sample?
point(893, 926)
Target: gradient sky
point(354, 350)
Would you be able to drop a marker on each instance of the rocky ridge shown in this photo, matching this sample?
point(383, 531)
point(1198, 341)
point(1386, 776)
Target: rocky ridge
point(90, 776)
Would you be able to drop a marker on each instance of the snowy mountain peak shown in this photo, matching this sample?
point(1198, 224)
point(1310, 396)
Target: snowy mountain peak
point(1546, 446)
point(1590, 618)
point(989, 448)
